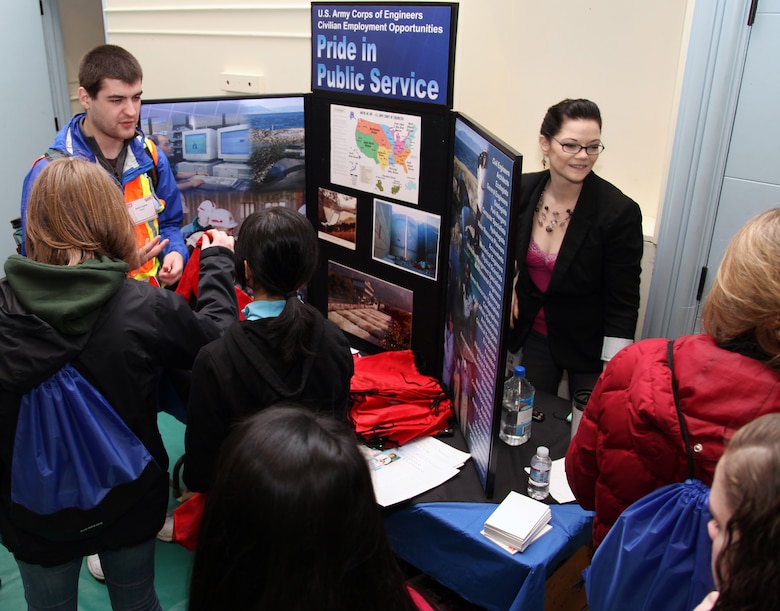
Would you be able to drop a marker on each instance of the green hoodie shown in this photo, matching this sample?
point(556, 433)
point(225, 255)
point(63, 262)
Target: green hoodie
point(69, 298)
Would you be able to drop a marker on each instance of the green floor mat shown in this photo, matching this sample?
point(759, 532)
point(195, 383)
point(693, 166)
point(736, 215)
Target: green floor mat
point(173, 563)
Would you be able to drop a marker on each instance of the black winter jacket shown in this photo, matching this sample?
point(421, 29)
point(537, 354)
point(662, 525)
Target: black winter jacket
point(119, 334)
point(241, 373)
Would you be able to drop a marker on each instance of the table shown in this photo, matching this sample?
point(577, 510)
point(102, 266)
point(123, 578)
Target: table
point(438, 531)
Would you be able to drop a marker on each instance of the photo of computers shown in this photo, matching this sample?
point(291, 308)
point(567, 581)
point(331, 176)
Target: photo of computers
point(238, 153)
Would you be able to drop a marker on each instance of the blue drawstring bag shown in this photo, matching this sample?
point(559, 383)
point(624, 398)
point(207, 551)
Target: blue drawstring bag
point(657, 555)
point(76, 465)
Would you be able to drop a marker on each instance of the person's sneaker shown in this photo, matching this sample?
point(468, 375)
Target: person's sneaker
point(94, 567)
point(166, 532)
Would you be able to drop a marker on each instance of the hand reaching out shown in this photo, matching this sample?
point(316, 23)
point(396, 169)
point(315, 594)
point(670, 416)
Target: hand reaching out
point(171, 268)
point(216, 237)
point(151, 248)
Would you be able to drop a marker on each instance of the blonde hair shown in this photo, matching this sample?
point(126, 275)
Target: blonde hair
point(77, 212)
point(744, 303)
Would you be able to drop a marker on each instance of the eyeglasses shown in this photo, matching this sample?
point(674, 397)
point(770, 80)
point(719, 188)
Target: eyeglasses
point(572, 148)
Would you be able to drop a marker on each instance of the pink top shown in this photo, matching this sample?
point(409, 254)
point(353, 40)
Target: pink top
point(540, 268)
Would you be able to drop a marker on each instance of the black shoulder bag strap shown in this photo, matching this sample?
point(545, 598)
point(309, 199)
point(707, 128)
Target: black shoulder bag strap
point(680, 417)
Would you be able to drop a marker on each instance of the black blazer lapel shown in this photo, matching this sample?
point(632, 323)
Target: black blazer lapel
point(534, 186)
point(579, 227)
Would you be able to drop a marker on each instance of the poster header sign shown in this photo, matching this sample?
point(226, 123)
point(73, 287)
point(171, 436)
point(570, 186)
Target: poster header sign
point(398, 51)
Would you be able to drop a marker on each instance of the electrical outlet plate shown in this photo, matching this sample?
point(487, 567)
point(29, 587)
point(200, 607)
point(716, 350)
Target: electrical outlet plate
point(241, 83)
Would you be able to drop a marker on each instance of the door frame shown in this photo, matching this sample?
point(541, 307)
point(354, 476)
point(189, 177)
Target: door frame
point(708, 101)
point(55, 57)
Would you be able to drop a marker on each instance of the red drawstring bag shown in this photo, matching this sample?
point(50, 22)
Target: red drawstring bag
point(186, 521)
point(188, 283)
point(391, 402)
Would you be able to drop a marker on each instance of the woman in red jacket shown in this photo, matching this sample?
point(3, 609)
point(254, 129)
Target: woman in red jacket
point(629, 441)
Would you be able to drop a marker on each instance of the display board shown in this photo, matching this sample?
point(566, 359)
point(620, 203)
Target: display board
point(379, 177)
point(400, 51)
point(378, 143)
point(485, 182)
point(232, 155)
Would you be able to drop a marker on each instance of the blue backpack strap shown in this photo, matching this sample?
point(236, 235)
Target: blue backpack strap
point(149, 147)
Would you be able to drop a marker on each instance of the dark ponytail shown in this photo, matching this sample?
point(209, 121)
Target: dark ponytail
point(279, 245)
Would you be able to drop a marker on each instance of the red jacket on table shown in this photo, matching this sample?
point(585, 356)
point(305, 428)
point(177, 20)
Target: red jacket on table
point(629, 441)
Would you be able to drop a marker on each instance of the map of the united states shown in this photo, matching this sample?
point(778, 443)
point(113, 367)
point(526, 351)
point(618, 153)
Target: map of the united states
point(383, 144)
point(376, 151)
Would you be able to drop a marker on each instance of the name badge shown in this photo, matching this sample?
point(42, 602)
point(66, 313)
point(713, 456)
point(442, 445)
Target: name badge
point(142, 210)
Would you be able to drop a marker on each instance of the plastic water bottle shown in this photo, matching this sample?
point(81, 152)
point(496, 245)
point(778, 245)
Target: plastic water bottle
point(517, 409)
point(539, 477)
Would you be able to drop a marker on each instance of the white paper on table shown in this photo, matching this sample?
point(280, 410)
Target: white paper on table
point(511, 548)
point(559, 485)
point(507, 548)
point(411, 469)
point(435, 451)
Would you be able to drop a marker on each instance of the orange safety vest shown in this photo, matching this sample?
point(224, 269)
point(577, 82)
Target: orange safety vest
point(138, 188)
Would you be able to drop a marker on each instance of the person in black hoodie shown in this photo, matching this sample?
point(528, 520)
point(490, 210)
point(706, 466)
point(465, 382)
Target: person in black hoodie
point(70, 302)
point(285, 350)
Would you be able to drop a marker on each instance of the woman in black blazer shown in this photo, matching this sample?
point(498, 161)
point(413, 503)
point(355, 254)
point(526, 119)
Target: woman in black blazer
point(579, 250)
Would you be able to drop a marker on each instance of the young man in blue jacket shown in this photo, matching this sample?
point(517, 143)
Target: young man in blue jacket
point(107, 133)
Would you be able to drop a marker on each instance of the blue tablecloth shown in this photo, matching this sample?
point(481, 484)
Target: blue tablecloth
point(443, 540)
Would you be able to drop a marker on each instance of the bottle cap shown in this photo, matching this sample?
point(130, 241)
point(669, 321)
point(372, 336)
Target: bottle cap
point(543, 451)
point(519, 371)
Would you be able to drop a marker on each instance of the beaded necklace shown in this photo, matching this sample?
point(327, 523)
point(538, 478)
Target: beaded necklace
point(550, 219)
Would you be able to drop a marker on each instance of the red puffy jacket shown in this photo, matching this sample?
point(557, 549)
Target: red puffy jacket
point(629, 442)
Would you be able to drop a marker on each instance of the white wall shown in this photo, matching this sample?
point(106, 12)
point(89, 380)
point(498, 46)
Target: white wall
point(184, 46)
point(81, 23)
point(625, 56)
point(514, 58)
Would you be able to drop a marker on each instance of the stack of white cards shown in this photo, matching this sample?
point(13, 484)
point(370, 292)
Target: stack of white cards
point(517, 522)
